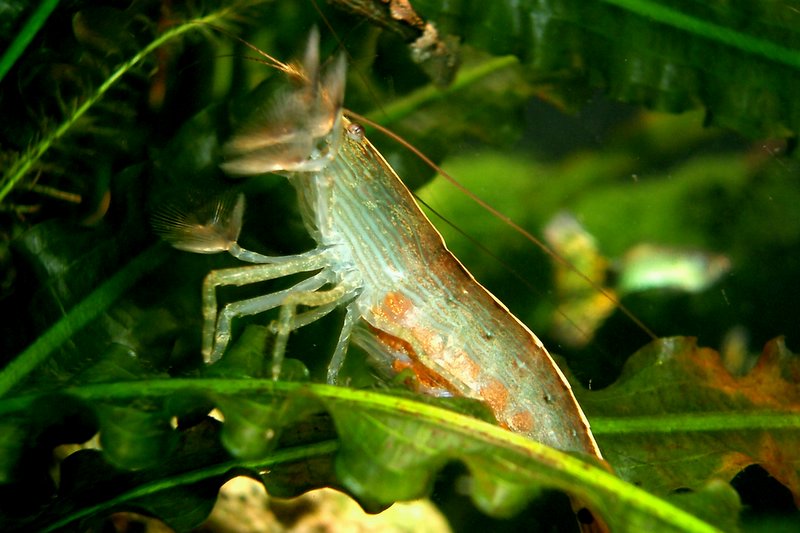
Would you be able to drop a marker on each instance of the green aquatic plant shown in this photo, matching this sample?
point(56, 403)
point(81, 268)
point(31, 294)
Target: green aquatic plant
point(106, 333)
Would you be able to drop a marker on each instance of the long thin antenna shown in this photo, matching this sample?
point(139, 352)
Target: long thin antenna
point(271, 61)
point(507, 267)
point(361, 77)
point(504, 218)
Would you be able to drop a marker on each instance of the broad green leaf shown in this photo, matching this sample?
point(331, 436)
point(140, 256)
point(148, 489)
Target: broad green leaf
point(677, 417)
point(90, 487)
point(135, 436)
point(12, 446)
point(383, 435)
point(737, 60)
point(716, 502)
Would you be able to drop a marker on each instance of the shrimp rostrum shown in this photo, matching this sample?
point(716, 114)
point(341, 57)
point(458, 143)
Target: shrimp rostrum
point(409, 303)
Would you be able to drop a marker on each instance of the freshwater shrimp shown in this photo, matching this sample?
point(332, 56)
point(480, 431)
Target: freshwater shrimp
point(409, 303)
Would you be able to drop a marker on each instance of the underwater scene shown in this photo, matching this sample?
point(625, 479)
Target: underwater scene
point(225, 291)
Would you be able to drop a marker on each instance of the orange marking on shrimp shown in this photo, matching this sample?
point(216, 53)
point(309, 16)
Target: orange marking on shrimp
point(521, 422)
point(454, 357)
point(469, 367)
point(495, 393)
point(425, 377)
point(397, 306)
point(394, 344)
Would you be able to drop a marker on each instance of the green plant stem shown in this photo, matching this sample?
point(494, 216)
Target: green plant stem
point(26, 35)
point(81, 314)
point(24, 164)
point(690, 422)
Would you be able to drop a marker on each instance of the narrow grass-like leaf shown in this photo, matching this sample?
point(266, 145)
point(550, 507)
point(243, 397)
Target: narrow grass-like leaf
point(80, 315)
point(26, 35)
point(28, 159)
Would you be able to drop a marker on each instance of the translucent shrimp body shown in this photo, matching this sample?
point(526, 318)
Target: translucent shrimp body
point(409, 302)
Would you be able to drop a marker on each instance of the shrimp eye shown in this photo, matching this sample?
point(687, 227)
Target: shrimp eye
point(355, 131)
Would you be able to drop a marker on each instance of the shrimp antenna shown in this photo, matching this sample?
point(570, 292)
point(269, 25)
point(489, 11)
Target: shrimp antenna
point(270, 61)
point(340, 44)
point(505, 219)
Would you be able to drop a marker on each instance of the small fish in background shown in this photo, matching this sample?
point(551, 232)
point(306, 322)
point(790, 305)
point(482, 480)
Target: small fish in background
point(650, 266)
point(643, 267)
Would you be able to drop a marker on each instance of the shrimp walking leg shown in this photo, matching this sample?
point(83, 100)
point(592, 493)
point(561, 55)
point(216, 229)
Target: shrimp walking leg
point(252, 257)
point(252, 306)
point(306, 318)
point(245, 276)
point(287, 320)
point(339, 353)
